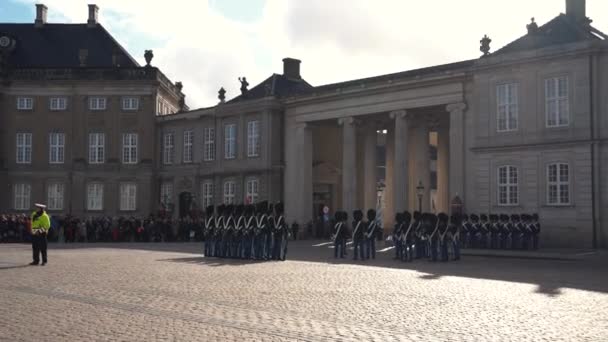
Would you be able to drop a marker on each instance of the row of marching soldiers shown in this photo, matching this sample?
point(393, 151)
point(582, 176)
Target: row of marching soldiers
point(516, 232)
point(256, 232)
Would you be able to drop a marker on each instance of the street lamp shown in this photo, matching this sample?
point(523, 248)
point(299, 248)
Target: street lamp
point(420, 193)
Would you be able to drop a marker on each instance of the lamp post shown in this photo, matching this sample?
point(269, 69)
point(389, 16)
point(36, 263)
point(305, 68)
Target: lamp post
point(420, 193)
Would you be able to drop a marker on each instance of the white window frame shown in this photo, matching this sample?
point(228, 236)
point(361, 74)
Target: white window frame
point(22, 196)
point(56, 148)
point(560, 184)
point(229, 192)
point(229, 141)
point(97, 148)
point(508, 186)
point(209, 144)
point(58, 103)
point(129, 148)
point(23, 143)
point(95, 196)
point(188, 140)
point(166, 194)
point(130, 103)
point(128, 196)
point(253, 138)
point(98, 103)
point(507, 105)
point(168, 148)
point(557, 104)
point(252, 190)
point(207, 193)
point(54, 196)
point(25, 103)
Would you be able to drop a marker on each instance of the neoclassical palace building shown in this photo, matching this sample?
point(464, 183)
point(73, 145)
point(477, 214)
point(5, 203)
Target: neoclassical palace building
point(518, 130)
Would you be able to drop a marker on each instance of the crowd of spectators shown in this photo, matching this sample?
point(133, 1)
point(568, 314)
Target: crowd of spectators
point(69, 229)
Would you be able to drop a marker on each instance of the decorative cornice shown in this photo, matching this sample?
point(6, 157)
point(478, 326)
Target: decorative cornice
point(401, 114)
point(349, 120)
point(456, 107)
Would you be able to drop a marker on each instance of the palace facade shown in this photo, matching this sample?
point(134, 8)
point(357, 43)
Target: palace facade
point(518, 130)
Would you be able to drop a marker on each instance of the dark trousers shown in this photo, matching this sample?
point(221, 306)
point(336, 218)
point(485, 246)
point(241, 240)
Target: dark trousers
point(359, 248)
point(370, 248)
point(338, 248)
point(39, 247)
point(456, 249)
point(408, 250)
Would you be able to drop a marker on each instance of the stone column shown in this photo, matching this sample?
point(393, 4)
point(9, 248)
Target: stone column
point(298, 173)
point(349, 164)
point(443, 167)
point(369, 168)
point(457, 155)
point(388, 213)
point(422, 163)
point(400, 173)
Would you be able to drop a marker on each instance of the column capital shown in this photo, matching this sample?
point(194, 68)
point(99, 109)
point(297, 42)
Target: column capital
point(302, 125)
point(455, 107)
point(401, 114)
point(349, 120)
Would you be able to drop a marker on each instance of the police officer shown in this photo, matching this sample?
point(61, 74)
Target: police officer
point(41, 224)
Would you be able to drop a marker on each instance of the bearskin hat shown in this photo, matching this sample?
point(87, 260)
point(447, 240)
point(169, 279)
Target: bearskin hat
point(344, 216)
point(371, 214)
point(399, 217)
point(514, 217)
point(535, 217)
point(417, 215)
point(493, 217)
point(464, 217)
point(239, 210)
point(220, 209)
point(262, 207)
point(474, 218)
point(442, 217)
point(338, 216)
point(270, 209)
point(504, 217)
point(407, 217)
point(483, 217)
point(358, 215)
point(456, 219)
point(209, 210)
point(278, 208)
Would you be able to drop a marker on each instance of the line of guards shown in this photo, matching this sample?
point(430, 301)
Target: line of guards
point(437, 236)
point(257, 232)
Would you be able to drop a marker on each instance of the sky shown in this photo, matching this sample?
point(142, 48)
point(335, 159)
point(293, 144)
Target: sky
point(208, 44)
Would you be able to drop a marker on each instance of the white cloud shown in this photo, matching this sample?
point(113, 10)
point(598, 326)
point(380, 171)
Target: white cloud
point(336, 40)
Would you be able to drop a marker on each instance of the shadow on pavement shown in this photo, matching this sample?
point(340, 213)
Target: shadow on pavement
point(550, 276)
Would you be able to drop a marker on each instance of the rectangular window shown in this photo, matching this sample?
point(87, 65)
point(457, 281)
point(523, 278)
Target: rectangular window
point(54, 198)
point(209, 144)
point(97, 103)
point(56, 148)
point(253, 138)
point(230, 141)
point(24, 148)
point(166, 194)
point(22, 196)
point(508, 192)
point(229, 192)
point(557, 105)
point(58, 103)
point(25, 103)
point(128, 196)
point(558, 184)
point(508, 107)
point(130, 103)
point(168, 148)
point(129, 148)
point(95, 196)
point(207, 194)
point(159, 107)
point(251, 196)
point(188, 142)
point(97, 148)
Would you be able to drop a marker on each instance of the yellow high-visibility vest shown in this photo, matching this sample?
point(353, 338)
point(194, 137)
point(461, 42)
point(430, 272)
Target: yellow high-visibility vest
point(41, 224)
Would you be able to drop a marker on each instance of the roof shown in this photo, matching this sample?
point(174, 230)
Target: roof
point(275, 85)
point(562, 29)
point(59, 45)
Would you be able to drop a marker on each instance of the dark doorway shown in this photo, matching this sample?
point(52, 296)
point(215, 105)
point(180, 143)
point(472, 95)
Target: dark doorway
point(185, 204)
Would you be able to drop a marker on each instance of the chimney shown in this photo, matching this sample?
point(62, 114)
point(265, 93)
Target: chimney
point(41, 10)
point(576, 9)
point(93, 9)
point(291, 68)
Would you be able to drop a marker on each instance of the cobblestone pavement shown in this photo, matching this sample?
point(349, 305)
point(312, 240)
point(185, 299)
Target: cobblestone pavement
point(167, 292)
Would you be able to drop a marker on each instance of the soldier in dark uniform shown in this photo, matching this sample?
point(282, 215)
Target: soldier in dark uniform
point(239, 227)
point(484, 230)
point(249, 226)
point(339, 233)
point(494, 231)
point(408, 242)
point(474, 231)
point(419, 235)
point(504, 231)
point(443, 238)
point(454, 233)
point(259, 236)
point(465, 230)
point(516, 231)
point(535, 230)
point(358, 235)
point(432, 224)
point(371, 230)
point(209, 231)
point(268, 236)
point(218, 232)
point(397, 231)
point(283, 231)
